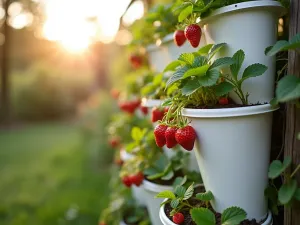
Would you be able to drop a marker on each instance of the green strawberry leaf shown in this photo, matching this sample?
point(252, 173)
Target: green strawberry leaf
point(199, 61)
point(180, 191)
point(288, 89)
point(189, 192)
point(207, 196)
point(188, 58)
point(174, 203)
point(173, 65)
point(187, 11)
point(190, 87)
point(297, 194)
point(215, 49)
point(209, 79)
point(205, 50)
point(177, 76)
point(222, 62)
point(223, 88)
point(200, 71)
point(233, 216)
point(137, 134)
point(203, 216)
point(166, 194)
point(277, 167)
point(279, 46)
point(254, 71)
point(235, 68)
point(294, 42)
point(168, 176)
point(287, 191)
point(272, 194)
point(179, 181)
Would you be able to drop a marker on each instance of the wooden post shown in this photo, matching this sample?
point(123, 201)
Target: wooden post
point(292, 145)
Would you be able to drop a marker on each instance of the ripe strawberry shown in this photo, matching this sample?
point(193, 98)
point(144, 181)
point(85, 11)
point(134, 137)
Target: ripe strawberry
point(144, 110)
point(157, 114)
point(114, 142)
point(127, 181)
point(170, 137)
point(179, 37)
point(136, 103)
point(159, 133)
point(186, 137)
point(178, 218)
point(193, 34)
point(137, 179)
point(223, 101)
point(136, 61)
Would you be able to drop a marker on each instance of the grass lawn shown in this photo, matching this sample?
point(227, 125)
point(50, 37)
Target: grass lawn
point(47, 176)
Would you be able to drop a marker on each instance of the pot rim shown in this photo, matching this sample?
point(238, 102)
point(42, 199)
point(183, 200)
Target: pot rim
point(166, 221)
point(149, 186)
point(268, 4)
point(168, 38)
point(150, 103)
point(229, 112)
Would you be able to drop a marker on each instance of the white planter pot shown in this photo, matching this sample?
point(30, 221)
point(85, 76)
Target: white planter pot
point(122, 223)
point(152, 203)
point(166, 221)
point(158, 57)
point(252, 27)
point(138, 194)
point(175, 51)
point(125, 156)
point(233, 153)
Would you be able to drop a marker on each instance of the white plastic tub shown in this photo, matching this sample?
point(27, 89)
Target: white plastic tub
point(166, 221)
point(152, 203)
point(252, 27)
point(158, 57)
point(233, 154)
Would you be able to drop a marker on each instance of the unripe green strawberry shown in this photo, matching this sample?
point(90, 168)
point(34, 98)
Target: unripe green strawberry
point(159, 133)
point(193, 34)
point(186, 137)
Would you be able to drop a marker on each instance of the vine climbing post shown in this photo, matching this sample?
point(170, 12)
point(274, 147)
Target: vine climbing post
point(292, 144)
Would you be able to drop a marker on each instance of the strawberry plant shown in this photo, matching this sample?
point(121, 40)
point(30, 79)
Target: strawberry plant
point(184, 201)
point(288, 191)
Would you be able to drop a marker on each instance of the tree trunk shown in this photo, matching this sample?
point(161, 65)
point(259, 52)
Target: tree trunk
point(292, 145)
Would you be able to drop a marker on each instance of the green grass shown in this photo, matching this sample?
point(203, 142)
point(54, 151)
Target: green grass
point(47, 176)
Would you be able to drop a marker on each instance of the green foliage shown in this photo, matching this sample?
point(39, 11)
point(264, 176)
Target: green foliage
point(283, 45)
point(287, 191)
point(233, 216)
point(207, 196)
point(203, 216)
point(277, 167)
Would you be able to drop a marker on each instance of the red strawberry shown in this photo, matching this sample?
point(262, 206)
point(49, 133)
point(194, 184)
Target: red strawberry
point(223, 101)
point(193, 34)
point(137, 179)
point(179, 37)
point(170, 137)
point(144, 110)
point(186, 137)
point(136, 61)
point(159, 133)
point(178, 218)
point(127, 181)
point(114, 142)
point(157, 114)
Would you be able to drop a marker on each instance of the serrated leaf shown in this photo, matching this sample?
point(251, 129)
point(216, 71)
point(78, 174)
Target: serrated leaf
point(287, 191)
point(222, 62)
point(254, 70)
point(277, 167)
point(177, 76)
point(239, 58)
point(279, 46)
point(205, 50)
point(288, 89)
point(223, 88)
point(190, 87)
point(173, 65)
point(168, 176)
point(203, 216)
point(179, 181)
point(233, 216)
point(199, 61)
point(297, 194)
point(215, 49)
point(137, 134)
point(150, 171)
point(187, 11)
point(156, 176)
point(200, 71)
point(209, 79)
point(294, 43)
point(188, 58)
point(180, 191)
point(207, 196)
point(174, 203)
point(189, 192)
point(166, 194)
